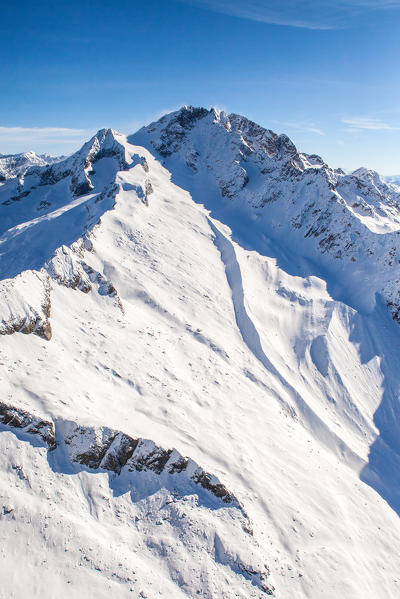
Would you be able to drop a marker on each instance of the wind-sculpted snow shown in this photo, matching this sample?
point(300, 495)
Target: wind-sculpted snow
point(113, 450)
point(252, 339)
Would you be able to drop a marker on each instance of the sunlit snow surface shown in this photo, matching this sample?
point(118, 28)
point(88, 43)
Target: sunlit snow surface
point(220, 338)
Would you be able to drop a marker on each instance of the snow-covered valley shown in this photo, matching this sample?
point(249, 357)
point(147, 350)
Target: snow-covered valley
point(200, 287)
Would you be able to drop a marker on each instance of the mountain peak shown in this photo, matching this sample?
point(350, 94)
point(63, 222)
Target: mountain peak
point(262, 172)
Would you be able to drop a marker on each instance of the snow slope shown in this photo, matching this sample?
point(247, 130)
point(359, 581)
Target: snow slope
point(175, 308)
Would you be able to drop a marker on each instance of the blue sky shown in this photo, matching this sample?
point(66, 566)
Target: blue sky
point(324, 72)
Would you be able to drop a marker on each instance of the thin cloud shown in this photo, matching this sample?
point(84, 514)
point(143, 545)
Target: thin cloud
point(309, 14)
point(301, 127)
point(47, 139)
point(41, 134)
point(368, 123)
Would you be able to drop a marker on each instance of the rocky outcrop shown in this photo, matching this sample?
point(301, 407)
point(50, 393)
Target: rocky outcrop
point(37, 325)
point(22, 313)
point(175, 128)
point(68, 268)
point(28, 423)
point(113, 450)
point(37, 211)
point(30, 313)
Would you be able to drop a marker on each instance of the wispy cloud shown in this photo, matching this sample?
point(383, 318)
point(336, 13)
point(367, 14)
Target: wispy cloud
point(369, 123)
point(309, 14)
point(301, 127)
point(41, 134)
point(52, 139)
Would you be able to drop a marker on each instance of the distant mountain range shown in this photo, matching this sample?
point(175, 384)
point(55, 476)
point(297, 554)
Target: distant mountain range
point(13, 165)
point(395, 179)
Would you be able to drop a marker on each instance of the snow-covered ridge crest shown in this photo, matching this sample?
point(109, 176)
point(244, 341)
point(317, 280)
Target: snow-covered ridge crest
point(79, 166)
point(49, 211)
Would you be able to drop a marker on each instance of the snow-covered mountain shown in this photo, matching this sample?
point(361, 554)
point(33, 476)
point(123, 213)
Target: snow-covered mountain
point(13, 165)
point(394, 179)
point(346, 224)
point(209, 402)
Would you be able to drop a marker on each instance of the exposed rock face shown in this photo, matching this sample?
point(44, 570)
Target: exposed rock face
point(113, 450)
point(68, 268)
point(254, 366)
point(39, 327)
point(174, 128)
point(348, 223)
point(28, 423)
point(99, 448)
point(31, 206)
point(107, 449)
